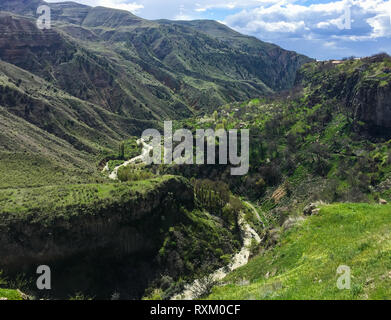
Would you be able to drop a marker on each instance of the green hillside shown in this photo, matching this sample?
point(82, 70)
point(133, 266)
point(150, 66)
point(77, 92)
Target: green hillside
point(327, 139)
point(9, 294)
point(304, 263)
point(50, 137)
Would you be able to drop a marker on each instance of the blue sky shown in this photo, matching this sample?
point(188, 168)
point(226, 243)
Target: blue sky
point(320, 29)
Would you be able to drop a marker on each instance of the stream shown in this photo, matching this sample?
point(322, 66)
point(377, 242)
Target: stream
point(240, 259)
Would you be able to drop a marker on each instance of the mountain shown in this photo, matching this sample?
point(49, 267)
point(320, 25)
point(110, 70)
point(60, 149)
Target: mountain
point(170, 68)
point(101, 76)
point(281, 64)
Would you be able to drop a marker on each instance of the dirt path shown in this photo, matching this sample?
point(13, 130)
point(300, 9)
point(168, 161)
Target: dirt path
point(255, 211)
point(146, 149)
point(239, 260)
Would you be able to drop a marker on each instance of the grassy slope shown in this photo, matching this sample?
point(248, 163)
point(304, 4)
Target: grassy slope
point(307, 257)
point(31, 157)
point(24, 200)
point(86, 126)
point(10, 294)
point(61, 140)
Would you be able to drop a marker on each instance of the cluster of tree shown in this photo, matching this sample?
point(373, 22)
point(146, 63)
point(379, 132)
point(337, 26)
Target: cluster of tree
point(213, 195)
point(216, 198)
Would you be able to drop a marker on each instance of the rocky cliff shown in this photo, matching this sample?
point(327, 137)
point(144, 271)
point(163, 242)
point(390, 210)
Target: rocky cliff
point(361, 86)
point(124, 223)
point(101, 239)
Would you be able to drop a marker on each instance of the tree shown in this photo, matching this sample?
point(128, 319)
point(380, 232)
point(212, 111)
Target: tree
point(121, 151)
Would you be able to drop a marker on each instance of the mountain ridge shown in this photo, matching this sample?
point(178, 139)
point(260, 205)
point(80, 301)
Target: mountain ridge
point(100, 76)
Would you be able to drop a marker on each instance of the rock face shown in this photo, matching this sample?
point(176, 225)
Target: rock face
point(363, 88)
point(113, 240)
point(311, 209)
point(372, 103)
point(124, 228)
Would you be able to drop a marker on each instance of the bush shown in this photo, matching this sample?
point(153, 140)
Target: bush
point(133, 174)
point(213, 195)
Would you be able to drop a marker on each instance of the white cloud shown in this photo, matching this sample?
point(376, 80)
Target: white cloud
point(121, 4)
point(278, 26)
point(370, 19)
point(320, 29)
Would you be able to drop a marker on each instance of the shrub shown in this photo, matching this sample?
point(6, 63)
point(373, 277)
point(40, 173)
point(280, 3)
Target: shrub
point(133, 174)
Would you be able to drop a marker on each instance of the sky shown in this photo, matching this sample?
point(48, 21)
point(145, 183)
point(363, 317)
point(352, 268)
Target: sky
point(320, 29)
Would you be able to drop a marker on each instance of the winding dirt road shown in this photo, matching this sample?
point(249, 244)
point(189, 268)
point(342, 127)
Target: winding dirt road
point(146, 149)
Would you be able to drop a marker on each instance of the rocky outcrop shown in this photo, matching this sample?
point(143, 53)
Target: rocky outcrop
point(312, 209)
point(362, 87)
point(372, 103)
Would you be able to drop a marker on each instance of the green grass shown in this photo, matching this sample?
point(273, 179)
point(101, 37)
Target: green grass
point(10, 294)
point(34, 170)
point(304, 264)
point(51, 197)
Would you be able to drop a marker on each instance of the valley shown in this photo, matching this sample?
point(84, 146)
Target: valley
point(75, 193)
